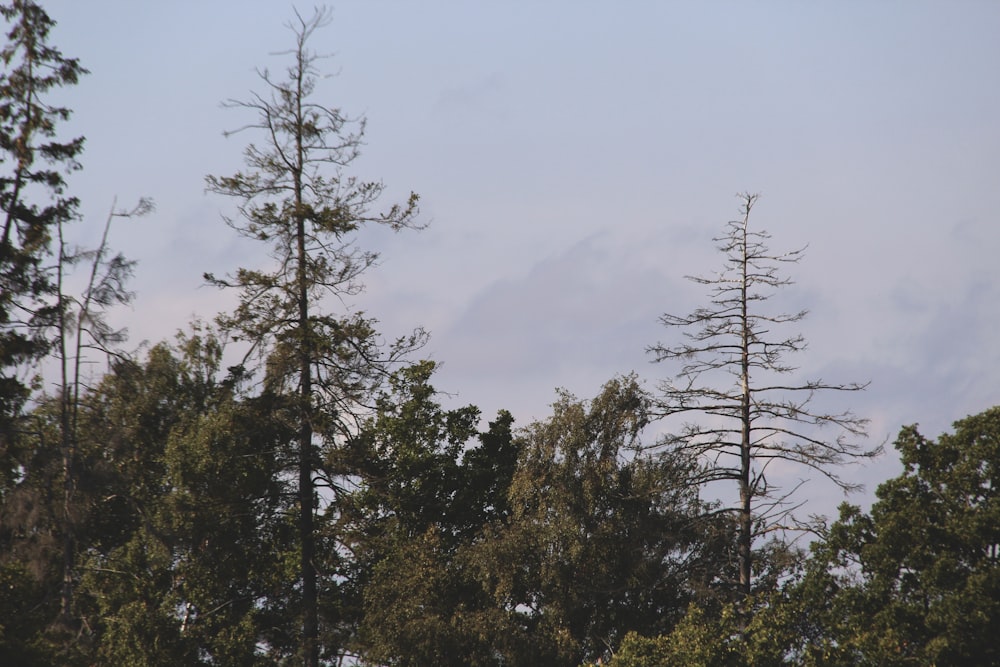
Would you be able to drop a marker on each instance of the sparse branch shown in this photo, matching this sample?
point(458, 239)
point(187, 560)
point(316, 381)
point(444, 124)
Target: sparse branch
point(749, 417)
point(296, 197)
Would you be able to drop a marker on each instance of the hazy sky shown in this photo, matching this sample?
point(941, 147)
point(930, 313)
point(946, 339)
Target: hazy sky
point(575, 160)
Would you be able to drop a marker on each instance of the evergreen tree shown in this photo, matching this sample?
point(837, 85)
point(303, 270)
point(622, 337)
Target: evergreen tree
point(296, 197)
point(34, 161)
point(182, 561)
point(34, 207)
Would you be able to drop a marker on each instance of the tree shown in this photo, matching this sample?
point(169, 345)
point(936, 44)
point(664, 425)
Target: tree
point(181, 551)
point(427, 493)
point(296, 197)
point(917, 580)
point(732, 374)
point(34, 208)
point(409, 458)
point(81, 325)
point(542, 546)
point(720, 640)
point(600, 539)
point(35, 162)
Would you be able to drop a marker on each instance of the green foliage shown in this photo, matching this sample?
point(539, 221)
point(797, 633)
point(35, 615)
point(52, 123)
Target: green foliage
point(33, 164)
point(697, 641)
point(422, 607)
point(189, 525)
point(420, 507)
point(577, 538)
point(601, 538)
point(24, 612)
point(412, 453)
point(325, 506)
point(916, 582)
point(297, 197)
point(725, 638)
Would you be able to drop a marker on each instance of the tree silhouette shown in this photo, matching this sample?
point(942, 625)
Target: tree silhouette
point(740, 412)
point(296, 197)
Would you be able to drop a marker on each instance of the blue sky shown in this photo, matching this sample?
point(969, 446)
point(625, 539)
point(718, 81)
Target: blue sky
point(575, 160)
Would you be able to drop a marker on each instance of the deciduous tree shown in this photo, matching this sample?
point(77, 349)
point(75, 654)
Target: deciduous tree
point(428, 492)
point(601, 539)
point(917, 580)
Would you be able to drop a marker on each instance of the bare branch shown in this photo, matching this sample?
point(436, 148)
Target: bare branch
point(726, 375)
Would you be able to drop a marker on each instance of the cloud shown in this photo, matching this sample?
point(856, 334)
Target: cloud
point(573, 320)
point(483, 96)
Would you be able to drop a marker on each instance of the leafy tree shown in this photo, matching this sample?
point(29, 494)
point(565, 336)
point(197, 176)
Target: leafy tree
point(917, 581)
point(409, 457)
point(426, 497)
point(697, 641)
point(121, 430)
point(184, 558)
point(177, 518)
point(296, 197)
point(741, 413)
point(600, 540)
point(574, 540)
point(723, 640)
point(123, 424)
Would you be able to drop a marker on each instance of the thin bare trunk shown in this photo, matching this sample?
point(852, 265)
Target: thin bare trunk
point(310, 620)
point(746, 492)
point(67, 441)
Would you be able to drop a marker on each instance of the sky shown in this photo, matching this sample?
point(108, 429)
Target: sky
point(574, 162)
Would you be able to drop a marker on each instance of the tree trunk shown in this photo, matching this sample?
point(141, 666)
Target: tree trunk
point(746, 492)
point(310, 620)
point(67, 443)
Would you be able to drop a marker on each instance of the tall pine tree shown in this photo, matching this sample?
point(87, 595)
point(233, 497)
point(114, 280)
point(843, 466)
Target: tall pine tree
point(296, 197)
point(34, 161)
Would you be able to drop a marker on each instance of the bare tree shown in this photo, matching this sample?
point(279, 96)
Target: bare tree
point(82, 326)
point(740, 414)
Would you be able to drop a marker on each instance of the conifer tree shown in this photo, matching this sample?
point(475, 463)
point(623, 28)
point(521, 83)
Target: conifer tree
point(182, 560)
point(742, 406)
point(34, 161)
point(296, 197)
point(34, 208)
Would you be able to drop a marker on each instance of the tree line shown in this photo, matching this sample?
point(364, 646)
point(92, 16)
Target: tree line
point(315, 504)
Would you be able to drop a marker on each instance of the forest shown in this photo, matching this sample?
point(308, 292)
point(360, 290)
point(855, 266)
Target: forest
point(284, 485)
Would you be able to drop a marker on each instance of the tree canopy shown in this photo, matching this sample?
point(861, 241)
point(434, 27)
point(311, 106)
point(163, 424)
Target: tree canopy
point(286, 486)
